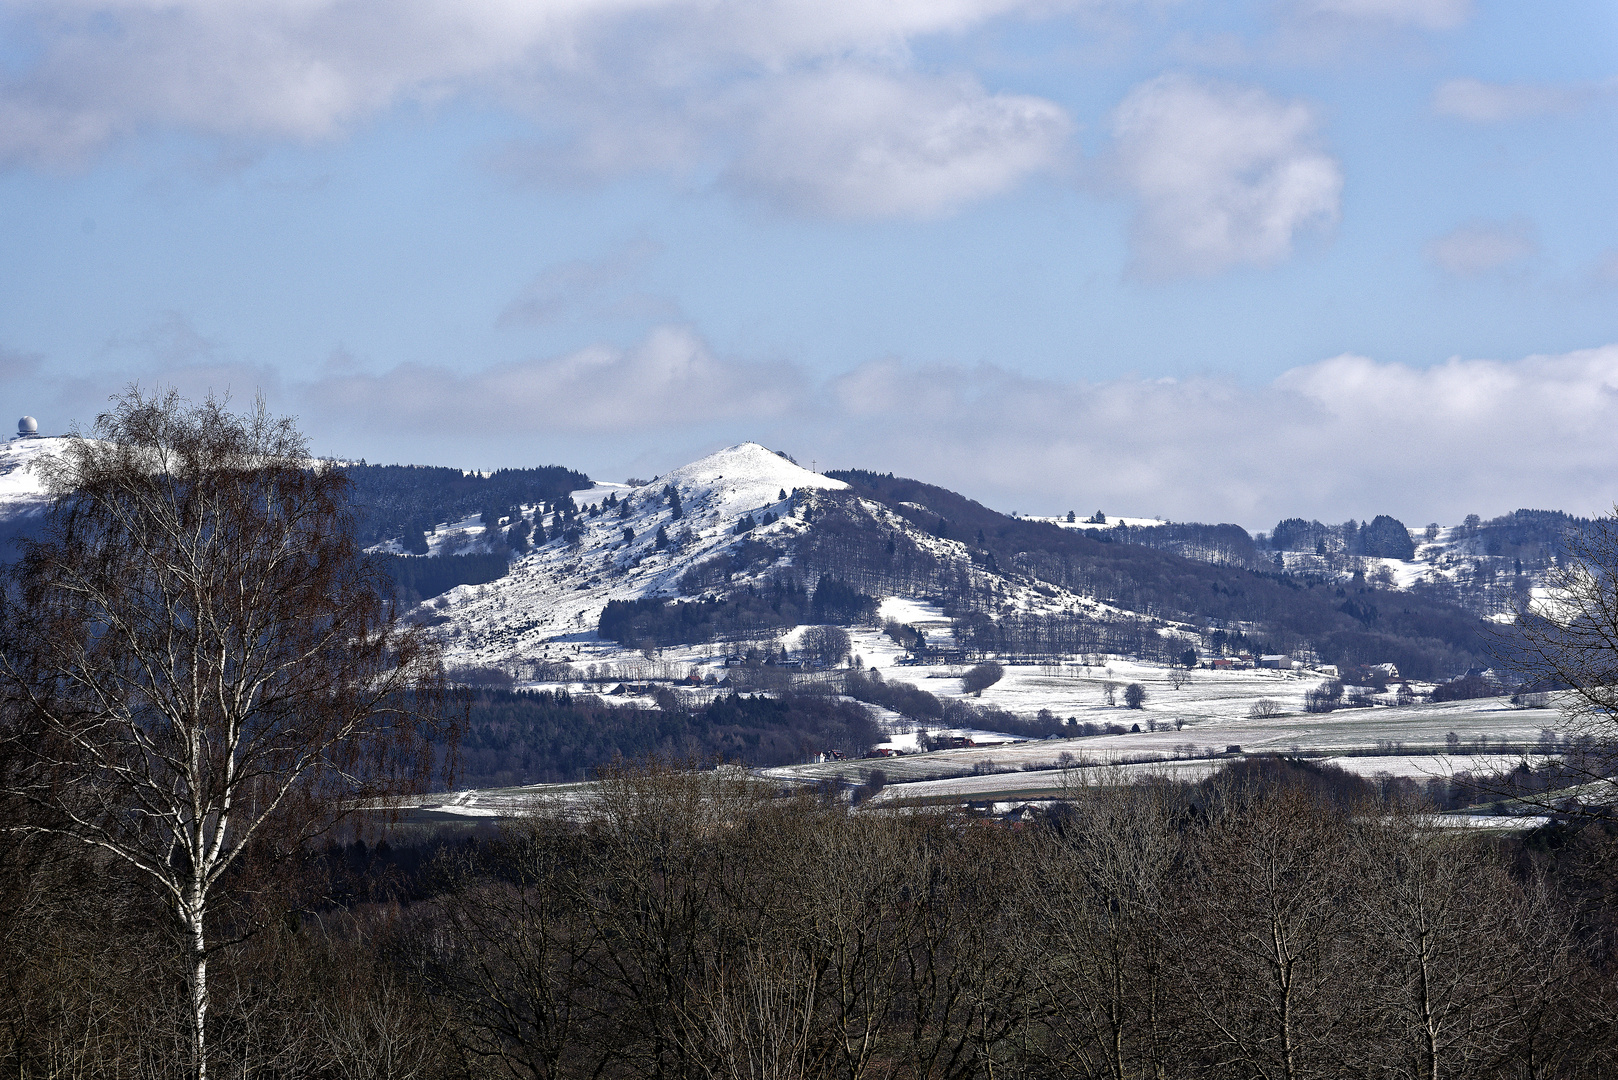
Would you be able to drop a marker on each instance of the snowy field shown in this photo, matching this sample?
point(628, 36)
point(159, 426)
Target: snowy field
point(1187, 730)
point(1057, 783)
point(1404, 741)
point(1365, 740)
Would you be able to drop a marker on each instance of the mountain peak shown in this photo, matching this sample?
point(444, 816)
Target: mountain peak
point(742, 477)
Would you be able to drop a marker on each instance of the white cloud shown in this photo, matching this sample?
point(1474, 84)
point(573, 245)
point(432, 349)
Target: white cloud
point(1345, 437)
point(1428, 14)
point(1480, 246)
point(857, 143)
point(1486, 103)
point(629, 84)
point(1222, 176)
point(669, 380)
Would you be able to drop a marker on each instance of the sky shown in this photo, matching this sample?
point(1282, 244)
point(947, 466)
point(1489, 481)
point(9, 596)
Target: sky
point(1229, 261)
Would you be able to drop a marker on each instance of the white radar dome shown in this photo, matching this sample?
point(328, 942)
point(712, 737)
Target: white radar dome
point(27, 426)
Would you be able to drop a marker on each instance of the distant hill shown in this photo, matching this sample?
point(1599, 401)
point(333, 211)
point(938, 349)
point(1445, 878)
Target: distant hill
point(513, 564)
point(746, 537)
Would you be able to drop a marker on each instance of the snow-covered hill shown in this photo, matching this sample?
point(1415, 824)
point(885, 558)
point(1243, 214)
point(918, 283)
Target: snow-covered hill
point(557, 592)
point(553, 597)
point(1486, 567)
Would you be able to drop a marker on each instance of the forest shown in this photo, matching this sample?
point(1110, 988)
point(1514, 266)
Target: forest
point(393, 501)
point(752, 613)
point(1349, 624)
point(417, 577)
point(1281, 919)
point(514, 737)
point(530, 737)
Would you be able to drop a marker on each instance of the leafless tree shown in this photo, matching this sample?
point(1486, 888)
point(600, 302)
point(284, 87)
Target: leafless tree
point(659, 837)
point(515, 948)
point(856, 924)
point(965, 991)
point(1569, 637)
point(375, 1030)
point(198, 659)
point(1265, 966)
point(756, 1021)
point(1433, 915)
point(827, 644)
point(1099, 896)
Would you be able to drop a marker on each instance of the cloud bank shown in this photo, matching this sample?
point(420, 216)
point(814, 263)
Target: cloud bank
point(1344, 437)
point(1348, 436)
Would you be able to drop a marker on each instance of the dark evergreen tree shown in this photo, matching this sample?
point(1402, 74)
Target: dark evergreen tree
point(517, 535)
point(1386, 538)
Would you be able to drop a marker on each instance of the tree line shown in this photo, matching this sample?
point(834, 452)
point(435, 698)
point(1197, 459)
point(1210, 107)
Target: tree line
point(532, 737)
point(756, 612)
point(1276, 921)
point(391, 501)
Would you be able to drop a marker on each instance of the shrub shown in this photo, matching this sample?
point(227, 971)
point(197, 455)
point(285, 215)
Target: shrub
point(981, 677)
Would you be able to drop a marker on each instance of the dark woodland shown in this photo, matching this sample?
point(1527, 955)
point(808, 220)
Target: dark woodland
point(1279, 920)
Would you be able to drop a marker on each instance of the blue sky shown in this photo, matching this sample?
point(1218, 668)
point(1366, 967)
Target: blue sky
point(1228, 261)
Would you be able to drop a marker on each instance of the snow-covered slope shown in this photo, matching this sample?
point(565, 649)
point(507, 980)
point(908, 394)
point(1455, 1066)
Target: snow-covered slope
point(21, 486)
point(23, 500)
point(557, 592)
point(553, 597)
point(1484, 575)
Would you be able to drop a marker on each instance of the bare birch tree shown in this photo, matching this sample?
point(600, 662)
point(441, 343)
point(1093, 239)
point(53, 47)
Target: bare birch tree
point(197, 659)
